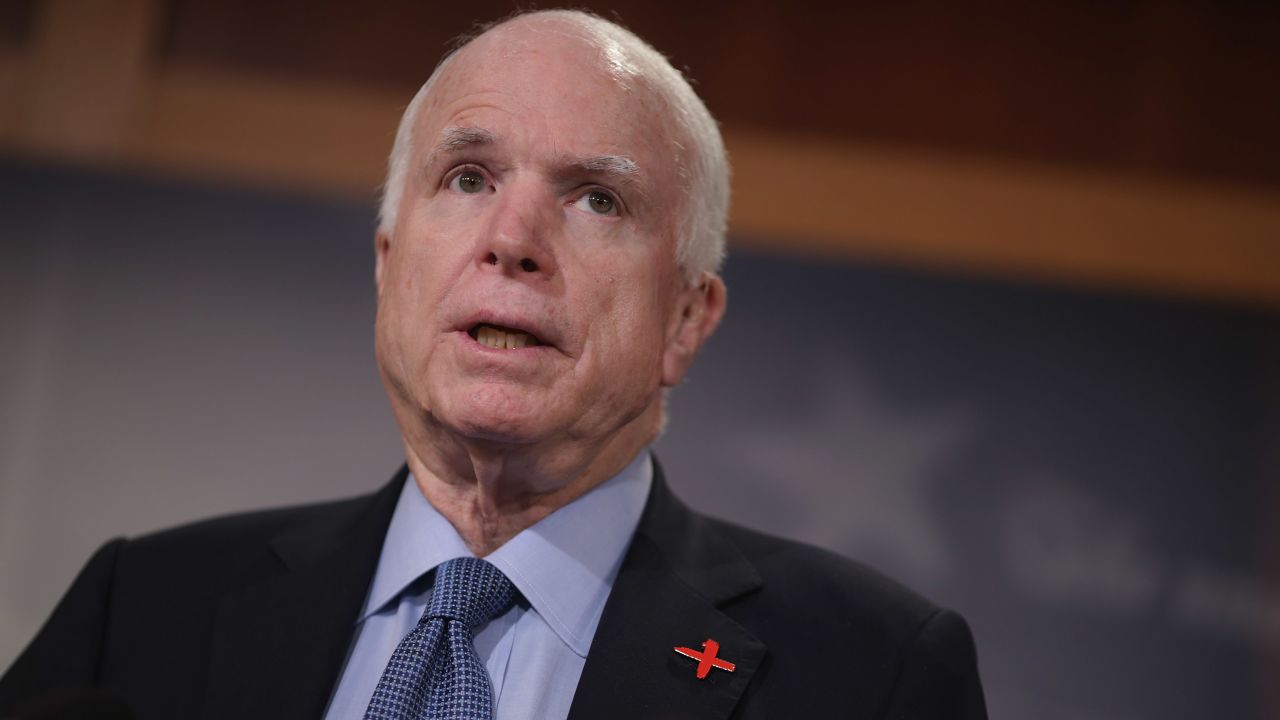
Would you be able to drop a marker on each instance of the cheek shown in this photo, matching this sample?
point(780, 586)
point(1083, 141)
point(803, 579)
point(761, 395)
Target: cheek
point(630, 328)
point(411, 299)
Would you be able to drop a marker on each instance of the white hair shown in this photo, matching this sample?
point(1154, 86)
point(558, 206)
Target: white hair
point(699, 149)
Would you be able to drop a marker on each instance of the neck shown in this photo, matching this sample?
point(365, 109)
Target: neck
point(490, 491)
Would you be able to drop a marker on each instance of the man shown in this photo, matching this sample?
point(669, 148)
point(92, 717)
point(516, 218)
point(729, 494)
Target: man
point(545, 267)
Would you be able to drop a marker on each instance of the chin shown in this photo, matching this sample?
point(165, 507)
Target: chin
point(496, 415)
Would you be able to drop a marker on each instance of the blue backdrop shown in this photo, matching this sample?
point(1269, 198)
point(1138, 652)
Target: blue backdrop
point(1090, 477)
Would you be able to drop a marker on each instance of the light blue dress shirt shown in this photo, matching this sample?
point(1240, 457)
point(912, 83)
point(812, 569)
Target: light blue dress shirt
point(563, 566)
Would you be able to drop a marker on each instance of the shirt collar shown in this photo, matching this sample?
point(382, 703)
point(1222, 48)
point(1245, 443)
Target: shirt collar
point(564, 565)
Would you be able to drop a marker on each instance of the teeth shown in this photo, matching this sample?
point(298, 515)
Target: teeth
point(502, 339)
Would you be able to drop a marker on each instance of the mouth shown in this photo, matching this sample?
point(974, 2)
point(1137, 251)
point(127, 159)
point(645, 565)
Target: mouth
point(502, 338)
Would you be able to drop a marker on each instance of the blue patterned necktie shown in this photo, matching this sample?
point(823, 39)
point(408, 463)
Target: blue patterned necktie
point(435, 672)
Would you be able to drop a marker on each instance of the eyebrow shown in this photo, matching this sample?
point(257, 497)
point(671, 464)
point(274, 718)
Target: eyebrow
point(618, 169)
point(455, 138)
point(619, 166)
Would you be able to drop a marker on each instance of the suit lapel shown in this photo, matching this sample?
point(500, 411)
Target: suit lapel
point(675, 574)
point(279, 645)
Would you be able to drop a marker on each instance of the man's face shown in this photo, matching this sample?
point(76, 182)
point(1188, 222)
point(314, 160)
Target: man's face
point(529, 292)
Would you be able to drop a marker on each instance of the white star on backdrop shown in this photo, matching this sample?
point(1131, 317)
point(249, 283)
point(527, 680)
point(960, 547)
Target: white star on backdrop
point(859, 473)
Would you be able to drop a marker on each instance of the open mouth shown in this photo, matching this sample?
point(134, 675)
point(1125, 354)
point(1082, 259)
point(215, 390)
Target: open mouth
point(502, 338)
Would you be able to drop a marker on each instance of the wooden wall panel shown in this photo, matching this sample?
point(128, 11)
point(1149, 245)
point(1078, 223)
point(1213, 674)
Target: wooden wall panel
point(15, 23)
point(1140, 85)
point(1127, 144)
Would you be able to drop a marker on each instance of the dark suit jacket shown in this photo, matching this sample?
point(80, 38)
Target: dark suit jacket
point(250, 616)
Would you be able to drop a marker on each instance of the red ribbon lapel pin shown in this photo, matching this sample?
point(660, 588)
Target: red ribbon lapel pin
point(707, 658)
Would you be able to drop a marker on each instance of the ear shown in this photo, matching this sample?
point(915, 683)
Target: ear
point(697, 314)
point(381, 247)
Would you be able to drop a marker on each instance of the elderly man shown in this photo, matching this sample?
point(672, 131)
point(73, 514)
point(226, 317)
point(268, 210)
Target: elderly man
point(553, 220)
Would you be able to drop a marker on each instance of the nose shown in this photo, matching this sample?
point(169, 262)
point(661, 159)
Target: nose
point(516, 241)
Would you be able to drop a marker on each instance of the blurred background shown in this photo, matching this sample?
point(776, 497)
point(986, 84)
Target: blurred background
point(1004, 318)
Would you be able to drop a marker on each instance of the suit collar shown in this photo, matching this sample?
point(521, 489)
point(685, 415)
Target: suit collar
point(278, 645)
point(322, 535)
point(695, 550)
point(677, 572)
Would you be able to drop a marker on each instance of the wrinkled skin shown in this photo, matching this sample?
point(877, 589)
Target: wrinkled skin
point(507, 224)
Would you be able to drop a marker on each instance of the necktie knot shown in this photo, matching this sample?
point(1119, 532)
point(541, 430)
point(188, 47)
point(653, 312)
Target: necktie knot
point(471, 591)
point(435, 672)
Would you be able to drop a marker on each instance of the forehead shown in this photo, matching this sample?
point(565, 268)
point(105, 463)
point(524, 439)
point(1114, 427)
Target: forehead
point(554, 87)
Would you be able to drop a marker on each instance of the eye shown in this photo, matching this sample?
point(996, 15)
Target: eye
point(598, 202)
point(468, 181)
